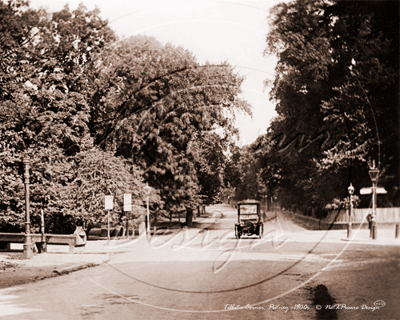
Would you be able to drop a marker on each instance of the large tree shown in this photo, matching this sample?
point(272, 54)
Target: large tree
point(152, 103)
point(71, 95)
point(208, 154)
point(336, 94)
point(45, 67)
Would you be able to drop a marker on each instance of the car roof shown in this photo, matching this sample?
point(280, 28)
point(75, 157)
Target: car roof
point(249, 201)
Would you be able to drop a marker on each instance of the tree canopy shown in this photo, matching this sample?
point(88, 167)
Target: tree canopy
point(45, 68)
point(336, 94)
point(155, 104)
point(96, 115)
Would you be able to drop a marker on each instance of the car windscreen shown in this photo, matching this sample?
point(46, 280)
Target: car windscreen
point(248, 211)
point(248, 217)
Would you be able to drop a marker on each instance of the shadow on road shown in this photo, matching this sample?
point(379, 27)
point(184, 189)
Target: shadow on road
point(322, 301)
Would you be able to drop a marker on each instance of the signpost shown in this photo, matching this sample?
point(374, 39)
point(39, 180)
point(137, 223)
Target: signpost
point(127, 207)
point(147, 191)
point(127, 202)
point(43, 247)
point(379, 190)
point(108, 204)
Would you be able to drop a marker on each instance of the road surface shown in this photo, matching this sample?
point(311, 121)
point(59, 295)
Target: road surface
point(291, 273)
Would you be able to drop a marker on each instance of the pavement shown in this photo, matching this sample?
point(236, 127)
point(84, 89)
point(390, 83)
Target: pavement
point(14, 270)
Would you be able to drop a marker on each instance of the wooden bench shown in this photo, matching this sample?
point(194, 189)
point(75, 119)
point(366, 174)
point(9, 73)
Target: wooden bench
point(72, 240)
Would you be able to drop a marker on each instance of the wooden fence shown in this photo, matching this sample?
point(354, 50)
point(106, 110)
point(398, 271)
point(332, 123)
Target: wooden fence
point(359, 214)
point(382, 215)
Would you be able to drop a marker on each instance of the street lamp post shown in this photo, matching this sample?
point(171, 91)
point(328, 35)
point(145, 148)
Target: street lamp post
point(374, 174)
point(28, 245)
point(351, 191)
point(147, 190)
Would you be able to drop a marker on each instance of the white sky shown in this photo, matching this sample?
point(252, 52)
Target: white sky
point(214, 31)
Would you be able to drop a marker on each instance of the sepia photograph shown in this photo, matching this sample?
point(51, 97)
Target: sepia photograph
point(199, 159)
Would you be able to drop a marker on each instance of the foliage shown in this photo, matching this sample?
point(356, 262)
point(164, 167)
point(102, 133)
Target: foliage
point(98, 174)
point(155, 104)
point(209, 158)
point(44, 73)
point(242, 173)
point(336, 98)
point(95, 116)
point(343, 203)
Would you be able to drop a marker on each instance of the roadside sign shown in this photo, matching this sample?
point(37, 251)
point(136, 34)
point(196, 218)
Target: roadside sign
point(366, 191)
point(379, 190)
point(127, 202)
point(108, 203)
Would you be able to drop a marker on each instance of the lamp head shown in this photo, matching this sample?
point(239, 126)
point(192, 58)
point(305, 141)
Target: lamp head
point(373, 174)
point(147, 190)
point(350, 189)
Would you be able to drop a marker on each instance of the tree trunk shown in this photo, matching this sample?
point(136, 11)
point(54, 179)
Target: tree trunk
point(189, 217)
point(87, 226)
point(55, 223)
point(127, 228)
point(155, 223)
point(269, 204)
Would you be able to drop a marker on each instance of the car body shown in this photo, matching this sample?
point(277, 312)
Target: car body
point(250, 221)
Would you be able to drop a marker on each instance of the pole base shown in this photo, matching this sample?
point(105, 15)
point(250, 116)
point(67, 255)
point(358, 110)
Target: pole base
point(42, 247)
point(349, 231)
point(28, 251)
point(373, 232)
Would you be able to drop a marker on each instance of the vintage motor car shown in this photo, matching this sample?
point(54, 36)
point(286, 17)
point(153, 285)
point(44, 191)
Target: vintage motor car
point(250, 221)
